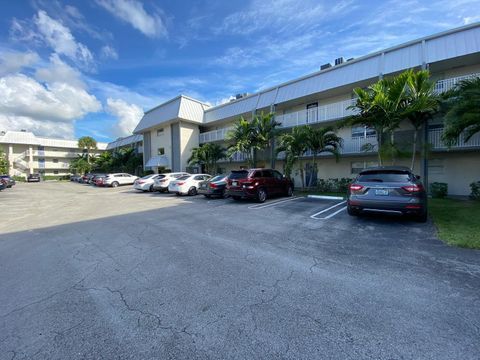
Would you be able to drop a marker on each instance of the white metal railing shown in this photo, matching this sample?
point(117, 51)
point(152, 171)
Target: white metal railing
point(435, 138)
point(448, 84)
point(323, 113)
point(238, 156)
point(355, 145)
point(46, 153)
point(214, 135)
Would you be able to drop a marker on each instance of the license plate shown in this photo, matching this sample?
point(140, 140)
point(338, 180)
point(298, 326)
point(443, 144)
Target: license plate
point(381, 192)
point(234, 183)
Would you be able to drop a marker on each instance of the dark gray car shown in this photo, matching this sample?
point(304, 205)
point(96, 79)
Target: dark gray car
point(388, 189)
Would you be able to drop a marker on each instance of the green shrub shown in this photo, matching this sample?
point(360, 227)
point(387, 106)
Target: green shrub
point(18, 178)
point(56, 177)
point(438, 190)
point(475, 187)
point(333, 185)
point(147, 172)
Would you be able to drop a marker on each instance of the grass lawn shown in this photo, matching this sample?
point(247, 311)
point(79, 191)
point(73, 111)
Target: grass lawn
point(457, 221)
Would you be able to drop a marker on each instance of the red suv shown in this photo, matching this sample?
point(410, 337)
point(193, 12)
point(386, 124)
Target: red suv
point(258, 184)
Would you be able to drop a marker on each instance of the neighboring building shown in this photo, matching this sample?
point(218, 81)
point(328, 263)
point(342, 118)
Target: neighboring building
point(172, 129)
point(133, 141)
point(29, 154)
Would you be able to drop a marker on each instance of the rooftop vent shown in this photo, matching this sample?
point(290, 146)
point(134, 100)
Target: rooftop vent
point(350, 59)
point(23, 130)
point(339, 61)
point(239, 96)
point(325, 66)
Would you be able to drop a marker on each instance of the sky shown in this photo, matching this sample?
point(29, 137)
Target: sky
point(92, 67)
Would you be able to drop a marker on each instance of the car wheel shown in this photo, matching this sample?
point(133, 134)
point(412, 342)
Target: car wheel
point(290, 191)
point(192, 191)
point(223, 195)
point(151, 188)
point(351, 211)
point(261, 195)
point(207, 196)
point(236, 198)
point(115, 184)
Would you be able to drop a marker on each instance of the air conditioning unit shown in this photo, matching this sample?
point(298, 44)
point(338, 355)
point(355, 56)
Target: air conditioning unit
point(339, 61)
point(325, 66)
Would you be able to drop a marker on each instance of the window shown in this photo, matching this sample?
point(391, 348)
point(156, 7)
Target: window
point(55, 172)
point(267, 173)
point(385, 176)
point(161, 151)
point(257, 174)
point(362, 131)
point(55, 161)
point(277, 175)
point(160, 132)
point(358, 166)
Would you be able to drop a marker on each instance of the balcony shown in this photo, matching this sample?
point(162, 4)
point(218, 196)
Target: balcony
point(53, 154)
point(435, 138)
point(324, 113)
point(448, 84)
point(215, 135)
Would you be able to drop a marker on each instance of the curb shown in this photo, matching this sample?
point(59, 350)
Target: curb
point(325, 197)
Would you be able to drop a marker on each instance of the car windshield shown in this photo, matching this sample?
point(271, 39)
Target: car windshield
point(148, 176)
point(217, 178)
point(384, 176)
point(184, 177)
point(238, 174)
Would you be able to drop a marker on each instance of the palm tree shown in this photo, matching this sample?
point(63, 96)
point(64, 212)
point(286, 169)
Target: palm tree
point(80, 165)
point(322, 140)
point(380, 107)
point(4, 165)
point(422, 104)
point(294, 145)
point(241, 139)
point(207, 155)
point(463, 111)
point(104, 161)
point(266, 129)
point(87, 143)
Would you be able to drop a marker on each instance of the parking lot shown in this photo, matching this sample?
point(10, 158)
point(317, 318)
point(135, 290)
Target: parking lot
point(103, 273)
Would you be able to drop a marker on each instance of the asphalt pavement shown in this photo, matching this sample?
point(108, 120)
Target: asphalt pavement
point(94, 273)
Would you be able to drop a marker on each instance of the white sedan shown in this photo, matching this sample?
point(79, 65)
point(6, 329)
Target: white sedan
point(187, 184)
point(145, 183)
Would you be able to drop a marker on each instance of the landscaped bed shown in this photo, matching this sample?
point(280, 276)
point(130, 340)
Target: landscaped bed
point(457, 221)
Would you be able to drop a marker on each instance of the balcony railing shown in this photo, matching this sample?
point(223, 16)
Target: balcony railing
point(435, 138)
point(448, 84)
point(215, 135)
point(59, 154)
point(328, 112)
point(324, 113)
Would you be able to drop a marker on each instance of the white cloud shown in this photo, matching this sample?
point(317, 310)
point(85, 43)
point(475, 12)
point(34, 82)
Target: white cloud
point(132, 11)
point(59, 71)
point(49, 109)
point(128, 116)
point(13, 61)
point(108, 52)
point(61, 40)
point(38, 127)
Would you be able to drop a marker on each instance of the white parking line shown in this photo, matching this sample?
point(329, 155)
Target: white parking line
point(314, 216)
point(270, 204)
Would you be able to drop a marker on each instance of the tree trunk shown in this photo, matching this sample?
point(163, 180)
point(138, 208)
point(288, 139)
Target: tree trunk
point(310, 183)
point(301, 175)
point(254, 158)
point(379, 145)
point(414, 150)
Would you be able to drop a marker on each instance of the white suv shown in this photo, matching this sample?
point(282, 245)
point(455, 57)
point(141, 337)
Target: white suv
point(163, 180)
point(115, 180)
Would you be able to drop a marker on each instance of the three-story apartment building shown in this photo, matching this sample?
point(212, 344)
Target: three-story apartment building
point(30, 154)
point(171, 130)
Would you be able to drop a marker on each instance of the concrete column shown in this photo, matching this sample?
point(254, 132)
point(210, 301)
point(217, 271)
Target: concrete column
point(30, 159)
point(10, 160)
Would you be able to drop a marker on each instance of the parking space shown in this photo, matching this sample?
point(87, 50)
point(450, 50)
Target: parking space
point(105, 271)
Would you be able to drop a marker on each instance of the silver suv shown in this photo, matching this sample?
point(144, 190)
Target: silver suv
point(163, 180)
point(118, 179)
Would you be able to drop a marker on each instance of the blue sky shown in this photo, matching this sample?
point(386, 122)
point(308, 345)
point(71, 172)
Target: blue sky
point(74, 68)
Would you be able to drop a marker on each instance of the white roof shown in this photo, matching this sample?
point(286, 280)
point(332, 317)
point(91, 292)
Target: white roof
point(132, 139)
point(28, 138)
point(446, 45)
point(182, 107)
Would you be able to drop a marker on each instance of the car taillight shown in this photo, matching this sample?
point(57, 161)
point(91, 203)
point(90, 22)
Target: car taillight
point(356, 187)
point(213, 186)
point(140, 181)
point(413, 188)
point(180, 183)
point(162, 180)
